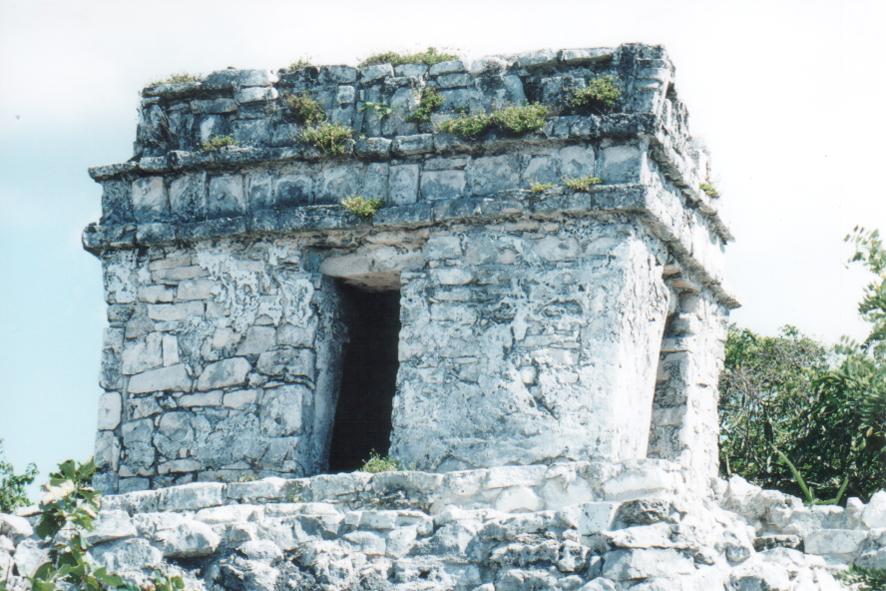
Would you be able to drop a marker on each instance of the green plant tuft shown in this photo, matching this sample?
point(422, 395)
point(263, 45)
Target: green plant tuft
point(583, 183)
point(520, 119)
point(332, 139)
point(429, 57)
point(600, 93)
point(709, 190)
point(378, 463)
point(380, 109)
point(516, 119)
point(429, 101)
point(361, 206)
point(217, 142)
point(305, 109)
point(468, 126)
point(299, 64)
point(541, 187)
point(181, 78)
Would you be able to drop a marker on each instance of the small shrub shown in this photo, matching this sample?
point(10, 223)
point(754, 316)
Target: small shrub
point(600, 93)
point(541, 187)
point(429, 101)
point(867, 579)
point(305, 109)
point(361, 206)
point(71, 504)
point(468, 126)
point(299, 64)
point(217, 142)
point(332, 139)
point(380, 109)
point(709, 190)
point(582, 184)
point(520, 119)
point(378, 463)
point(13, 486)
point(429, 57)
point(181, 78)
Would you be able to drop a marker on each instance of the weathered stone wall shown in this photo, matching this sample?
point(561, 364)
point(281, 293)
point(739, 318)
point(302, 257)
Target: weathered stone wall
point(574, 526)
point(532, 324)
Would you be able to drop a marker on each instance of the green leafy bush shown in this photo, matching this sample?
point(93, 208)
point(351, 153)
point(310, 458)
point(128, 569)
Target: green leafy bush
point(709, 190)
point(378, 463)
point(429, 57)
point(13, 486)
point(520, 119)
point(332, 139)
point(601, 93)
point(583, 183)
point(361, 206)
point(217, 142)
point(805, 418)
point(429, 101)
point(305, 109)
point(70, 503)
point(541, 187)
point(867, 579)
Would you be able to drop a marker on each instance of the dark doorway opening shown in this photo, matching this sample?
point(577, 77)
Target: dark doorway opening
point(369, 377)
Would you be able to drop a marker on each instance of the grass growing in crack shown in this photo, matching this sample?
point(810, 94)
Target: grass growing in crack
point(517, 119)
point(709, 190)
point(600, 93)
point(520, 119)
point(305, 109)
point(331, 139)
point(361, 206)
point(583, 183)
point(378, 463)
point(180, 78)
point(380, 109)
point(217, 142)
point(428, 57)
point(299, 64)
point(429, 101)
point(541, 187)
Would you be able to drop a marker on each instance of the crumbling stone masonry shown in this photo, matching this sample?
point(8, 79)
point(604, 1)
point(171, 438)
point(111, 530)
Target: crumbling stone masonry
point(536, 327)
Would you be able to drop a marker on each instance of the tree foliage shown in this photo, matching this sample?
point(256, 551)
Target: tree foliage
point(12, 485)
point(823, 408)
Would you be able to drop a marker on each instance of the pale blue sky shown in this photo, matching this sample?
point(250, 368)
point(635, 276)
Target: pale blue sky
point(787, 94)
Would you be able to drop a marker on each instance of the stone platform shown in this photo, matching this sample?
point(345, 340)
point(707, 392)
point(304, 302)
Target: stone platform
point(575, 526)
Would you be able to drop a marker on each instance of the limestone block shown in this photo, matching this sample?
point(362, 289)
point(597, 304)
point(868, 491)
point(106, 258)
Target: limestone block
point(375, 72)
point(149, 200)
point(164, 379)
point(403, 184)
point(109, 410)
point(409, 145)
point(127, 555)
point(111, 525)
point(281, 410)
point(226, 196)
point(841, 542)
point(29, 556)
point(644, 563)
point(622, 163)
point(141, 354)
point(224, 373)
point(240, 398)
point(255, 95)
point(442, 184)
point(490, 174)
point(187, 195)
point(874, 514)
point(14, 527)
point(191, 539)
point(576, 161)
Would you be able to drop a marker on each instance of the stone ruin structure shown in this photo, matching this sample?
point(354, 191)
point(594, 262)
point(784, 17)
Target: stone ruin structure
point(541, 359)
point(258, 328)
